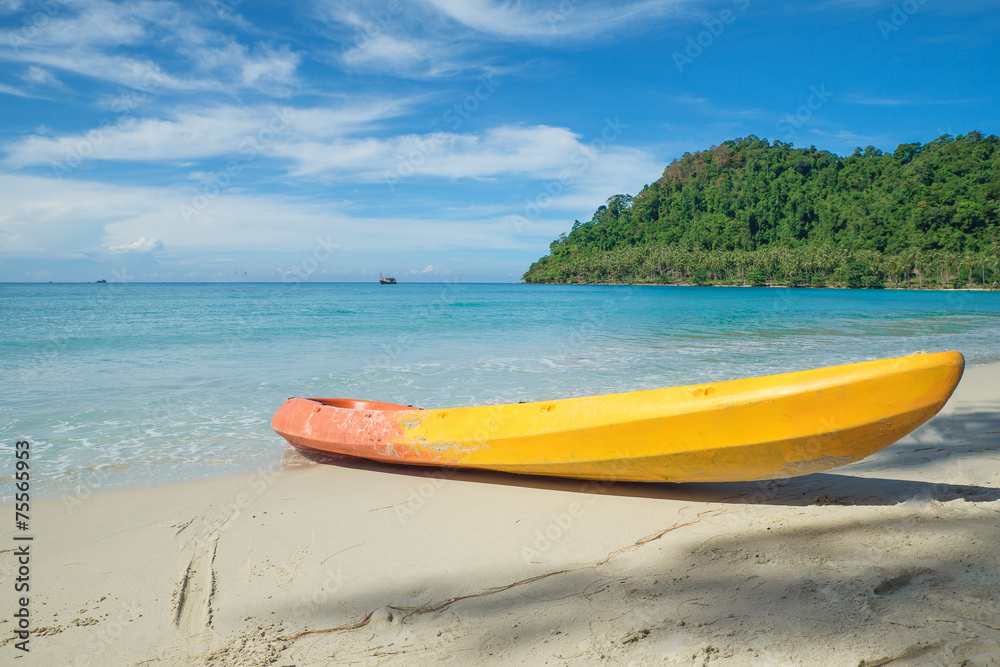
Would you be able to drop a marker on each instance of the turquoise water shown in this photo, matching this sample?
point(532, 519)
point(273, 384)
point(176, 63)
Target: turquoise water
point(146, 383)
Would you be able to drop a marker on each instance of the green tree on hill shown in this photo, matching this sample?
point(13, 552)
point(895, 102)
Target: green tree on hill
point(752, 210)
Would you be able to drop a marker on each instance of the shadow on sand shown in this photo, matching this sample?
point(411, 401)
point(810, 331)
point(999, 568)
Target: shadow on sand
point(892, 586)
point(895, 589)
point(955, 437)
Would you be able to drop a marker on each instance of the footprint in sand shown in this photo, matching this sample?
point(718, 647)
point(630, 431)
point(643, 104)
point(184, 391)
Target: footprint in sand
point(195, 590)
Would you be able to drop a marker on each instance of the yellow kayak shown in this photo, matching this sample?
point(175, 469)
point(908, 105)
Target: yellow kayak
point(740, 430)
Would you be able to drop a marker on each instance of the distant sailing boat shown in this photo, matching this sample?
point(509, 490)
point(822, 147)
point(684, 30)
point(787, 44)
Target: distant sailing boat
point(386, 280)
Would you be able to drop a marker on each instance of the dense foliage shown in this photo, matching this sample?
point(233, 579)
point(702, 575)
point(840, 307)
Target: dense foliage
point(754, 212)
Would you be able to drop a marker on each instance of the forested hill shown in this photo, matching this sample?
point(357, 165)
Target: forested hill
point(752, 211)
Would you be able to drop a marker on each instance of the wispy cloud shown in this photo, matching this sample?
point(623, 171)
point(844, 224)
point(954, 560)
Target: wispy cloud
point(406, 57)
point(432, 38)
point(545, 21)
point(142, 244)
point(11, 90)
point(41, 77)
point(965, 8)
point(196, 134)
point(330, 144)
point(526, 150)
point(91, 219)
point(93, 38)
point(710, 108)
point(846, 137)
point(901, 102)
point(544, 159)
point(430, 269)
point(264, 66)
point(185, 136)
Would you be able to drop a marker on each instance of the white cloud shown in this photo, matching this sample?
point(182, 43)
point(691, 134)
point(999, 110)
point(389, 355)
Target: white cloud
point(901, 102)
point(263, 67)
point(533, 151)
point(325, 143)
point(10, 90)
point(430, 269)
point(405, 56)
point(965, 8)
point(433, 38)
point(87, 38)
point(96, 23)
point(52, 218)
point(41, 77)
point(846, 137)
point(573, 18)
point(356, 114)
point(142, 244)
point(122, 70)
point(187, 136)
point(190, 135)
point(269, 66)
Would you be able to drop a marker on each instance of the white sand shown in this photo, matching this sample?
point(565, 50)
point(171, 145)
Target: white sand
point(892, 560)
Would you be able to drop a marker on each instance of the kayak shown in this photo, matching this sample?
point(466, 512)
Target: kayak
point(739, 430)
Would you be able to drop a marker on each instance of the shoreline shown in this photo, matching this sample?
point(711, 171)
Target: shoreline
point(995, 288)
point(285, 456)
point(988, 290)
point(890, 557)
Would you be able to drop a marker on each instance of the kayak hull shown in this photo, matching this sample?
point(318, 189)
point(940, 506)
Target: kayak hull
point(740, 430)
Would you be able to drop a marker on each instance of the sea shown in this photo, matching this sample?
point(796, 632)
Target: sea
point(128, 384)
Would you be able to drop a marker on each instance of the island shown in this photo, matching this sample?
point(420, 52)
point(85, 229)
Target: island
point(754, 212)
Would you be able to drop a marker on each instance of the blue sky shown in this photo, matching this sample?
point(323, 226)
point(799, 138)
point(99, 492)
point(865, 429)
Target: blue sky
point(433, 139)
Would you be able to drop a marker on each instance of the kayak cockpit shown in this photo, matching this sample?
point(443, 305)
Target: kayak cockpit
point(359, 404)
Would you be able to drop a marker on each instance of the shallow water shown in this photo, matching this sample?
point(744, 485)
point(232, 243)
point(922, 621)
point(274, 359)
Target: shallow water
point(144, 383)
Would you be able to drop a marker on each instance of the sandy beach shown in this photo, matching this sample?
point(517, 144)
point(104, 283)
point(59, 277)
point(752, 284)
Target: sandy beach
point(889, 561)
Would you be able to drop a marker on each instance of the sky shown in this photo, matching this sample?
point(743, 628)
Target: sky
point(434, 140)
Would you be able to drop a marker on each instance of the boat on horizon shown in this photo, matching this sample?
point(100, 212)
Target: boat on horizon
point(386, 280)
